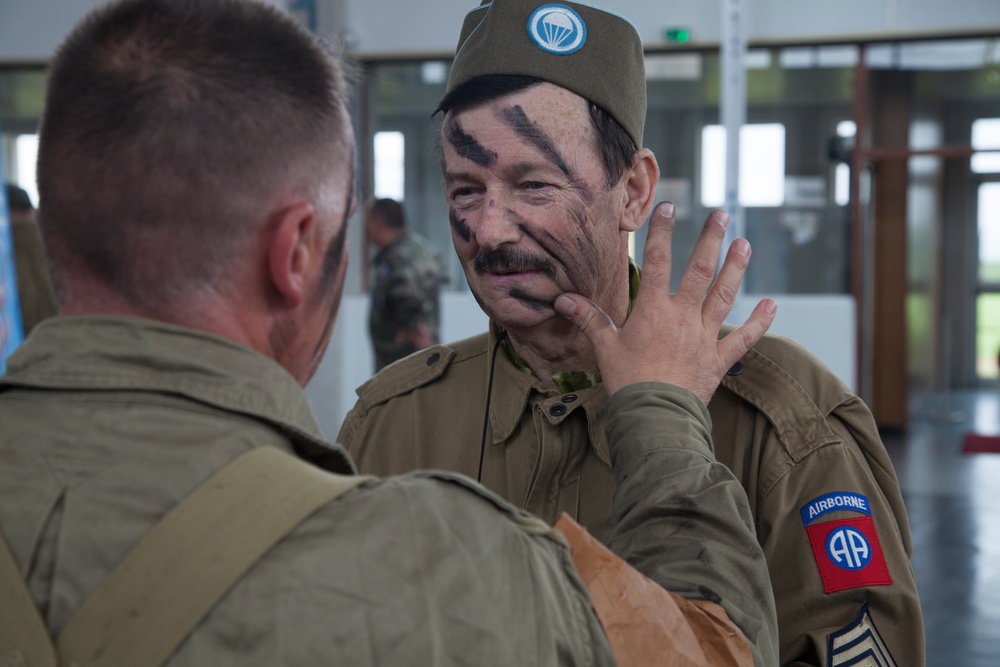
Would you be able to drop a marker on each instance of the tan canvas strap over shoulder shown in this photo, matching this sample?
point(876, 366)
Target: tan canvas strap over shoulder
point(170, 581)
point(24, 641)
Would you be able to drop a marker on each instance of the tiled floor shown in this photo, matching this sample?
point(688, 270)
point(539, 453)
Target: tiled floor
point(953, 502)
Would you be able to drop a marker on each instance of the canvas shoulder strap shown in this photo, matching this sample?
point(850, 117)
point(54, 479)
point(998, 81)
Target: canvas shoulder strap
point(167, 584)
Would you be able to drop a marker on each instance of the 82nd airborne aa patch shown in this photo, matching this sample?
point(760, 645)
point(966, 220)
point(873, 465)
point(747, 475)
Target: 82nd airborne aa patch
point(848, 552)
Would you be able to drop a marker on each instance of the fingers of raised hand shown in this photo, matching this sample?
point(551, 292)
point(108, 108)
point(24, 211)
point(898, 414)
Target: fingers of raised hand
point(588, 317)
point(722, 296)
point(700, 270)
point(656, 260)
point(741, 339)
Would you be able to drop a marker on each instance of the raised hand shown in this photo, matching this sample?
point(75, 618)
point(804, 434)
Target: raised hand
point(668, 337)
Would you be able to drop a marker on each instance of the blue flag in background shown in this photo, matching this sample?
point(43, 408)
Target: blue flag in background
point(10, 310)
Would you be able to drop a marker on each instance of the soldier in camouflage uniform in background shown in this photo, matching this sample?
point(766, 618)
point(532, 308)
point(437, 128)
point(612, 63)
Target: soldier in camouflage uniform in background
point(405, 311)
point(34, 285)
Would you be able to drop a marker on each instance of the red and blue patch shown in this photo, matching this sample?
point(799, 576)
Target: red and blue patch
point(848, 552)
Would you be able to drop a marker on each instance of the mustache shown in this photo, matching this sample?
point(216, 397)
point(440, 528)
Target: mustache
point(510, 260)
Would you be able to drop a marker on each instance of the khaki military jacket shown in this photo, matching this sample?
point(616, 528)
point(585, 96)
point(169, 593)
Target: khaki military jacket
point(570, 453)
point(107, 423)
point(794, 436)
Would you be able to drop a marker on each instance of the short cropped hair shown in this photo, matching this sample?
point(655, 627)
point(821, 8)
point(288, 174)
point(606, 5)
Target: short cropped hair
point(390, 212)
point(613, 141)
point(170, 127)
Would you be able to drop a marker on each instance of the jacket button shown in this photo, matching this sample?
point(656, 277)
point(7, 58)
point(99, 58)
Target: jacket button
point(433, 359)
point(737, 369)
point(557, 410)
point(569, 398)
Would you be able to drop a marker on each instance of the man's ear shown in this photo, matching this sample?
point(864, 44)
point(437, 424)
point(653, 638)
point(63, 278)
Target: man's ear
point(291, 251)
point(640, 188)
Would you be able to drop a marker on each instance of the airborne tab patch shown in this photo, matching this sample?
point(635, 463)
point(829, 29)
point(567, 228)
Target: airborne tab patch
point(831, 502)
point(847, 551)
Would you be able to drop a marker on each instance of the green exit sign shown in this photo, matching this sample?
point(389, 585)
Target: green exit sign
point(679, 35)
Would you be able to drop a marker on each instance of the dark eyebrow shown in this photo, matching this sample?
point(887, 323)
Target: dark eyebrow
point(467, 146)
point(516, 118)
point(518, 170)
point(452, 176)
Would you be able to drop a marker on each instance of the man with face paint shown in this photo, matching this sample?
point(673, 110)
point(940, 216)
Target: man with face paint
point(544, 174)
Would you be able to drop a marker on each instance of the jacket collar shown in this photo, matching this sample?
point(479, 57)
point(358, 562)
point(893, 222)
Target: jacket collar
point(512, 389)
point(137, 355)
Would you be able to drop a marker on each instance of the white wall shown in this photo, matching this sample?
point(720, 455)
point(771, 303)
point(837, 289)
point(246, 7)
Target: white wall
point(824, 324)
point(31, 29)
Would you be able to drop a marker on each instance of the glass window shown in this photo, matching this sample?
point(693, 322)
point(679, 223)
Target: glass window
point(842, 172)
point(988, 302)
point(389, 156)
point(989, 233)
point(713, 166)
point(986, 137)
point(22, 94)
point(25, 157)
point(762, 165)
point(988, 336)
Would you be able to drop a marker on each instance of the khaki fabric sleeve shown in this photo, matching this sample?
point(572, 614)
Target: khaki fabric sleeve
point(810, 613)
point(828, 508)
point(680, 517)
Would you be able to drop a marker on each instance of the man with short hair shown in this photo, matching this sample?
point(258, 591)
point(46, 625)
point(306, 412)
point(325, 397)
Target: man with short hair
point(408, 272)
point(545, 176)
point(196, 170)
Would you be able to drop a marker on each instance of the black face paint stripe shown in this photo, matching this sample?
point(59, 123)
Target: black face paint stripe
point(533, 302)
point(575, 268)
point(467, 147)
point(516, 118)
point(460, 226)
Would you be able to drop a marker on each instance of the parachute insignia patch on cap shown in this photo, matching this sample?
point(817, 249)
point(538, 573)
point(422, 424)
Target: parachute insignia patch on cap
point(557, 29)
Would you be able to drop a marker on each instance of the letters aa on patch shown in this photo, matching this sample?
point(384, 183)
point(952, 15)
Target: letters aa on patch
point(848, 552)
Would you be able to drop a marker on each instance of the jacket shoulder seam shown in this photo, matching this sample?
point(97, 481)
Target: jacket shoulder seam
point(772, 390)
point(417, 370)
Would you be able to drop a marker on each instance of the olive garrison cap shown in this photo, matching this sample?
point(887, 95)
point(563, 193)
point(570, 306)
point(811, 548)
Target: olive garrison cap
point(592, 52)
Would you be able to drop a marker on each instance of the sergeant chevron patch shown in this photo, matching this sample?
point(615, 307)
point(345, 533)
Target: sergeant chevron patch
point(859, 645)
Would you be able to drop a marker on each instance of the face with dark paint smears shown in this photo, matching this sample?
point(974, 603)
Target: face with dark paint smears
point(531, 214)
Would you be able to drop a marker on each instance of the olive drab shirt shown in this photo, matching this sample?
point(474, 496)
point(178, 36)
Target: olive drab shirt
point(826, 505)
point(107, 423)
